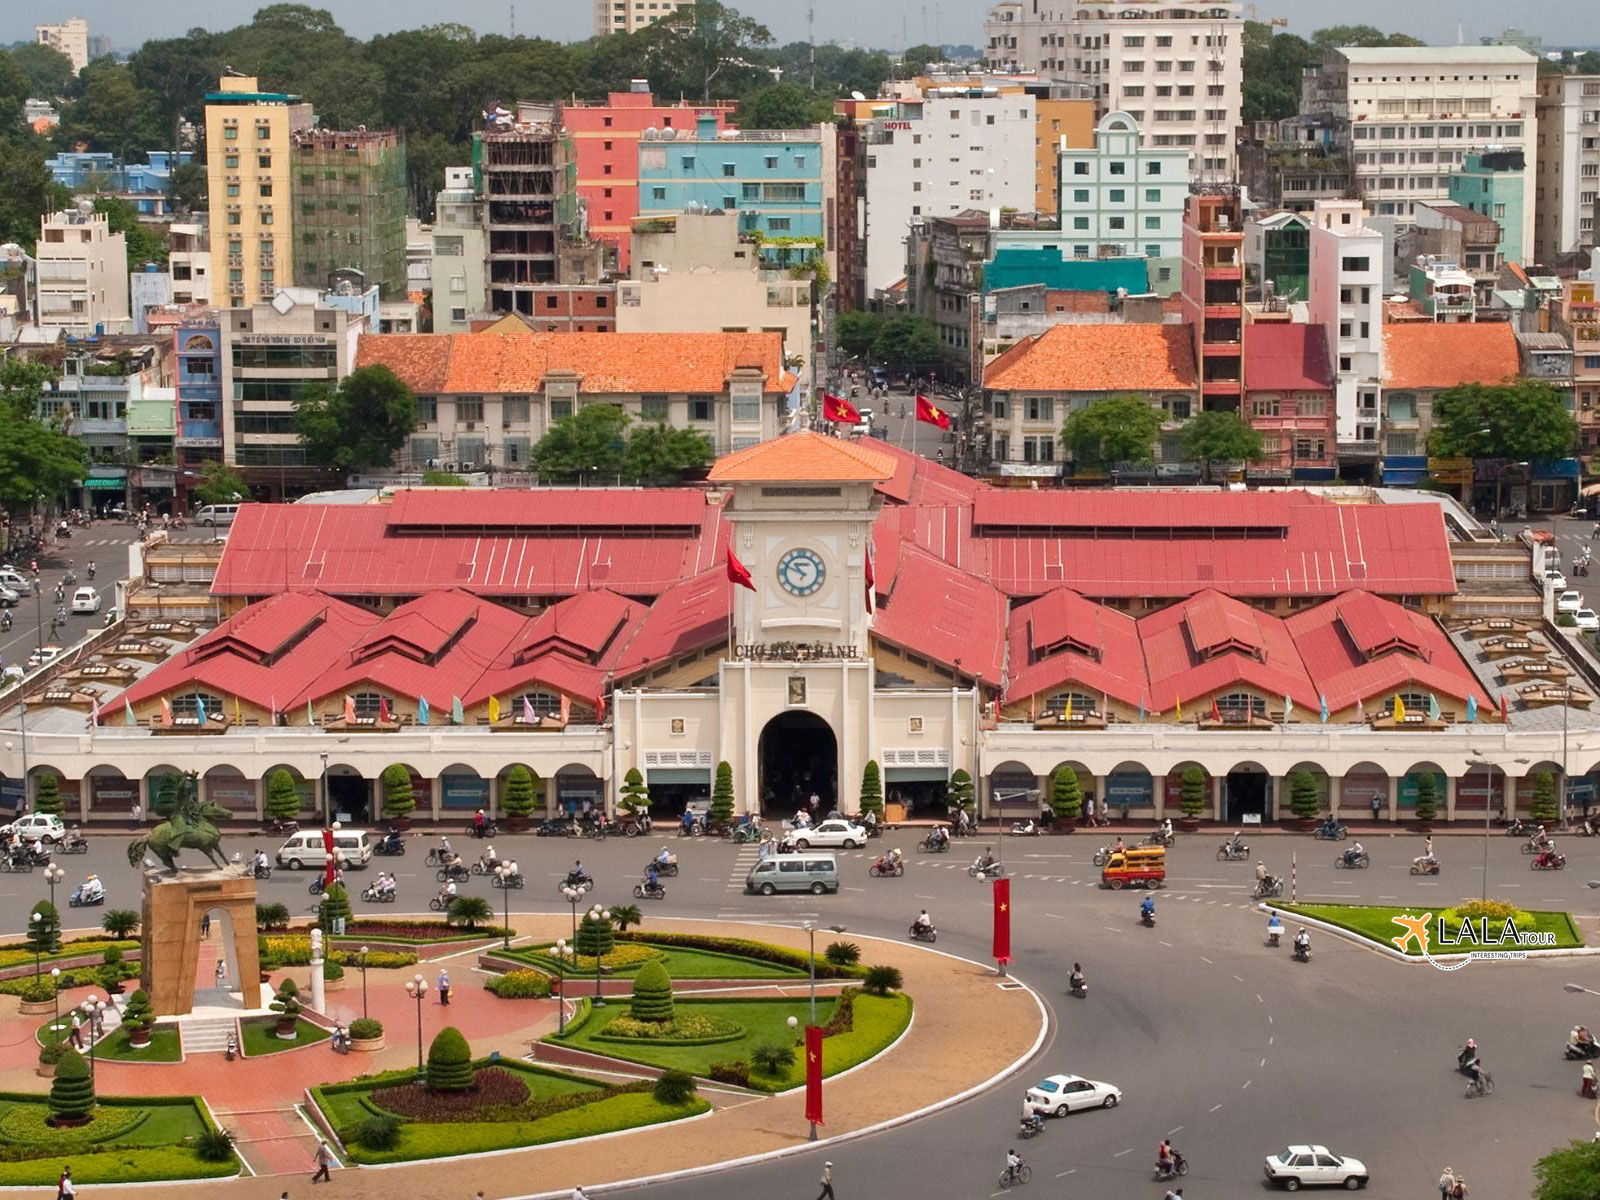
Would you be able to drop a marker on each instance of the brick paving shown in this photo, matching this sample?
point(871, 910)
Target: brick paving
point(929, 1063)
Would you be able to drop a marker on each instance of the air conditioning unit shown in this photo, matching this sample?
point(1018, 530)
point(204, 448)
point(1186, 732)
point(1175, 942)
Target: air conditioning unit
point(505, 425)
point(470, 425)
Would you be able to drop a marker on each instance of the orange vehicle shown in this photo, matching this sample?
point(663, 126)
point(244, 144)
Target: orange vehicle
point(1137, 866)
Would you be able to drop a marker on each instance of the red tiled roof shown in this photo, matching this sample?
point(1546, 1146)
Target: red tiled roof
point(585, 508)
point(1098, 358)
point(1180, 671)
point(1062, 638)
point(606, 363)
point(946, 614)
point(685, 618)
point(1426, 354)
point(584, 625)
point(1022, 509)
point(556, 673)
point(1286, 358)
point(805, 457)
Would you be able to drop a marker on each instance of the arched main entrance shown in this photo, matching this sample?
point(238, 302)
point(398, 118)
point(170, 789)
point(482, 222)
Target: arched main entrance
point(1247, 791)
point(798, 756)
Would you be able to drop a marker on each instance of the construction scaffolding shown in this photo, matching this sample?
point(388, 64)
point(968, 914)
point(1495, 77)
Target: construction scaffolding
point(526, 170)
point(349, 191)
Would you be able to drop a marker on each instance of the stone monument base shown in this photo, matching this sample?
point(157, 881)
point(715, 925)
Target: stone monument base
point(173, 908)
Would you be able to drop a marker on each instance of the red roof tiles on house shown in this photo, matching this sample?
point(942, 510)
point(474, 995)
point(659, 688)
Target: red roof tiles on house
point(1427, 354)
point(1098, 358)
point(1099, 510)
point(548, 508)
point(947, 615)
point(1286, 358)
point(1061, 639)
point(1181, 672)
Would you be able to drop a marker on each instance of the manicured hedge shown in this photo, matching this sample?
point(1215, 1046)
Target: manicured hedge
point(746, 948)
point(519, 985)
point(16, 954)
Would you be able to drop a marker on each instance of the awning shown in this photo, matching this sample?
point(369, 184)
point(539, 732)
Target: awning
point(916, 775)
point(679, 774)
point(1403, 477)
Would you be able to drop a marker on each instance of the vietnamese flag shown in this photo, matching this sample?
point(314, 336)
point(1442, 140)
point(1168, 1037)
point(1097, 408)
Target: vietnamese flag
point(1505, 710)
point(837, 408)
point(930, 415)
point(332, 865)
point(738, 572)
point(1216, 713)
point(814, 1074)
point(871, 581)
point(383, 709)
point(1002, 921)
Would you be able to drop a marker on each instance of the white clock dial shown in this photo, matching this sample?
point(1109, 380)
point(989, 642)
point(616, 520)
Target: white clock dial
point(800, 572)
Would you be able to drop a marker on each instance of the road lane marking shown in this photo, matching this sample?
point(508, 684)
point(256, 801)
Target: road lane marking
point(1237, 979)
point(1059, 917)
point(1168, 945)
point(1206, 960)
point(1178, 1129)
point(1064, 1174)
point(1269, 1018)
point(1214, 1107)
point(1259, 1000)
point(1263, 1062)
point(1120, 1153)
point(1270, 1040)
point(1245, 1085)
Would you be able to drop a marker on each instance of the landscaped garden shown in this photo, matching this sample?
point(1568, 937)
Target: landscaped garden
point(684, 955)
point(468, 1107)
point(1376, 923)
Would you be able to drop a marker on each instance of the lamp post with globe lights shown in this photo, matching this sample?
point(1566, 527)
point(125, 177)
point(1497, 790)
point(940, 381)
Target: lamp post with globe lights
point(417, 989)
point(503, 871)
point(561, 989)
point(55, 997)
point(598, 914)
point(362, 962)
point(53, 875)
point(92, 1007)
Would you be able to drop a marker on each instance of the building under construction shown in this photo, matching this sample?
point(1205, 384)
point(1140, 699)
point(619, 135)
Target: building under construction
point(349, 192)
point(525, 170)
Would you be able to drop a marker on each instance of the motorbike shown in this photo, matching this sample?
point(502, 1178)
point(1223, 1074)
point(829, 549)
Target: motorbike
point(485, 866)
point(1521, 828)
point(924, 933)
point(744, 834)
point(511, 882)
point(1532, 846)
point(232, 1051)
point(392, 846)
point(454, 871)
point(319, 885)
point(978, 870)
point(440, 902)
point(340, 1041)
point(438, 857)
point(933, 845)
point(1228, 852)
point(666, 868)
point(1273, 934)
point(73, 843)
point(1581, 1050)
point(1159, 838)
point(487, 830)
point(1550, 860)
point(1147, 918)
point(373, 895)
point(645, 891)
point(1588, 827)
point(884, 867)
point(1078, 985)
point(1465, 1059)
point(1301, 953)
point(281, 828)
point(1425, 868)
point(1025, 829)
point(78, 900)
point(583, 883)
point(1336, 832)
point(1178, 1166)
point(261, 872)
point(1483, 1085)
point(1354, 861)
point(1101, 855)
point(1030, 1126)
point(1267, 887)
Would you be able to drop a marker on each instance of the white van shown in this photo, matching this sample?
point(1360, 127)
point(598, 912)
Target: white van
point(304, 849)
point(814, 873)
point(212, 515)
point(16, 581)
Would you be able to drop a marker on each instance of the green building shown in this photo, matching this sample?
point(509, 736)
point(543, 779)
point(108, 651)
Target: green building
point(1490, 182)
point(349, 208)
point(1278, 252)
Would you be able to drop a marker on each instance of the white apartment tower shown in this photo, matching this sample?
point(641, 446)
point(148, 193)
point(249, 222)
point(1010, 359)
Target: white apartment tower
point(82, 274)
point(1175, 68)
point(69, 37)
point(630, 16)
point(1346, 299)
point(1415, 111)
point(458, 253)
point(1569, 165)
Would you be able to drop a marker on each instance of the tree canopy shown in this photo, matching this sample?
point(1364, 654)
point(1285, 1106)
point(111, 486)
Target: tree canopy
point(783, 106)
point(1568, 1173)
point(597, 440)
point(1220, 436)
point(1274, 63)
point(359, 424)
point(1522, 419)
point(1113, 430)
point(221, 484)
point(37, 462)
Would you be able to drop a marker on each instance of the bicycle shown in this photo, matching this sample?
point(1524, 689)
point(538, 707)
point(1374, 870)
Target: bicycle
point(1020, 1173)
point(1483, 1085)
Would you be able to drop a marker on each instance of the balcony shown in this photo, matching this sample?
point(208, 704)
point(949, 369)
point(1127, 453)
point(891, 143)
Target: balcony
point(192, 433)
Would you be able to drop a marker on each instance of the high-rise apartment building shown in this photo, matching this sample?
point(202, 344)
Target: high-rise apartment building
point(248, 172)
point(630, 16)
point(1346, 299)
point(1213, 294)
point(69, 37)
point(1412, 113)
point(349, 213)
point(1176, 70)
point(457, 254)
point(82, 274)
point(606, 140)
point(1568, 169)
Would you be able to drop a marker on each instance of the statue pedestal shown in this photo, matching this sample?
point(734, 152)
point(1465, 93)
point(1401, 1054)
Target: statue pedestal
point(173, 908)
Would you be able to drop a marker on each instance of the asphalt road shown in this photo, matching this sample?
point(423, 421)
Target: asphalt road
point(105, 544)
point(1223, 1044)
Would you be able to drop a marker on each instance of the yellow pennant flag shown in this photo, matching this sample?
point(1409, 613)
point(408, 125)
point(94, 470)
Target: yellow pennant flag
point(494, 709)
point(1399, 708)
point(1068, 716)
point(1178, 701)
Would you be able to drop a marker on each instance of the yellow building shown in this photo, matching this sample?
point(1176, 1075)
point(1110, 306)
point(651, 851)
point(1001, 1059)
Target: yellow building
point(1070, 119)
point(248, 172)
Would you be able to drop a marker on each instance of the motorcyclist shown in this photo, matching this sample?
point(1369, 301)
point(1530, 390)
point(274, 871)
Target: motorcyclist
point(1330, 827)
point(1353, 854)
point(386, 884)
point(1164, 1157)
point(512, 870)
point(1030, 1116)
point(480, 823)
point(1235, 844)
point(1147, 910)
point(923, 922)
point(664, 857)
point(941, 835)
point(1581, 1041)
point(1118, 846)
point(258, 862)
point(447, 856)
point(1274, 929)
point(1166, 829)
point(1302, 943)
point(651, 880)
point(1548, 854)
point(5, 621)
point(986, 863)
point(1469, 1054)
point(91, 568)
point(448, 892)
point(488, 858)
point(688, 820)
point(1024, 828)
point(577, 875)
point(1426, 858)
point(92, 889)
point(1075, 979)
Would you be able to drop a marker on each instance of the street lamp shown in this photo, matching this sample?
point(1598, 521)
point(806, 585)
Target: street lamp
point(504, 873)
point(92, 1008)
point(598, 914)
point(363, 962)
point(1578, 987)
point(417, 989)
point(55, 996)
point(38, 925)
point(1478, 760)
point(573, 895)
point(327, 801)
point(561, 990)
point(811, 968)
point(53, 875)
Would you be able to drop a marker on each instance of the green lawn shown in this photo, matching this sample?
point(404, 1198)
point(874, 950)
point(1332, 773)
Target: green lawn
point(148, 1152)
point(347, 1104)
point(163, 1047)
point(258, 1036)
point(1375, 923)
point(680, 964)
point(878, 1021)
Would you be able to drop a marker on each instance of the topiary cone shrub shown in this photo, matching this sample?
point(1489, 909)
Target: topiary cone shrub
point(450, 1062)
point(722, 795)
point(595, 938)
point(871, 789)
point(283, 796)
point(399, 799)
point(47, 794)
point(1192, 793)
point(516, 801)
point(1066, 796)
point(652, 994)
point(1304, 801)
point(1428, 798)
point(137, 1016)
point(72, 1091)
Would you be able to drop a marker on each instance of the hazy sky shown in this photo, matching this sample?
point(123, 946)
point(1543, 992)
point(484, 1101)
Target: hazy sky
point(886, 23)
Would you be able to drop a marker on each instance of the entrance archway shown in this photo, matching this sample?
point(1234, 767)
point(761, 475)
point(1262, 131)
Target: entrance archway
point(798, 755)
point(1247, 791)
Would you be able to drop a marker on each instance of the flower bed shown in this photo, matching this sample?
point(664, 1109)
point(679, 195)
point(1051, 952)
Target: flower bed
point(154, 1147)
point(685, 1029)
point(682, 961)
point(763, 952)
point(17, 954)
point(365, 929)
point(73, 977)
point(294, 950)
point(496, 1087)
point(621, 959)
point(519, 985)
point(29, 1124)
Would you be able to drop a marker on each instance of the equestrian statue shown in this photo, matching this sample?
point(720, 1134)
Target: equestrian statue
point(192, 824)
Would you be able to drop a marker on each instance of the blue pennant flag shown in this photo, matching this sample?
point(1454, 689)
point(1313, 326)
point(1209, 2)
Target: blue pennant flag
point(200, 709)
point(1324, 710)
point(1472, 708)
point(422, 710)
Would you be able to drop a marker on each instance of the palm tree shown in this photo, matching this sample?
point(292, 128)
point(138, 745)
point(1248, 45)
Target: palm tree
point(469, 912)
point(626, 914)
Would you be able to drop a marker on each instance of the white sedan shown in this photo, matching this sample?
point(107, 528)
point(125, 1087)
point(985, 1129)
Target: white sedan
point(1061, 1094)
point(1569, 601)
point(37, 827)
point(1315, 1166)
point(86, 600)
point(1587, 620)
point(845, 834)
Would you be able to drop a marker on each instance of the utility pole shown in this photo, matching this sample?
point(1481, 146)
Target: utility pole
point(811, 36)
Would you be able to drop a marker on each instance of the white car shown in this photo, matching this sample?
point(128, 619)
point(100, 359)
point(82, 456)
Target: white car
point(86, 600)
point(1060, 1094)
point(841, 833)
point(1588, 620)
point(42, 655)
point(15, 580)
point(37, 827)
point(1569, 601)
point(1555, 579)
point(1315, 1166)
point(8, 598)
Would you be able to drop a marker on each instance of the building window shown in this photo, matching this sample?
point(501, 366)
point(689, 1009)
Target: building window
point(266, 191)
point(1152, 223)
point(653, 407)
point(469, 408)
point(1152, 168)
point(728, 169)
point(1264, 406)
point(188, 705)
point(560, 409)
point(514, 410)
point(1080, 168)
point(543, 704)
point(1041, 408)
point(746, 409)
point(700, 408)
point(1082, 705)
point(368, 705)
point(1080, 223)
point(1240, 706)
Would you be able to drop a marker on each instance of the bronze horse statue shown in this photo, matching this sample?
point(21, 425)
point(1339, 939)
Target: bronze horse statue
point(192, 825)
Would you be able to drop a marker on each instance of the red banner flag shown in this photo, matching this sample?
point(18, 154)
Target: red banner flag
point(928, 414)
point(814, 1074)
point(383, 709)
point(871, 581)
point(332, 864)
point(1002, 921)
point(1216, 713)
point(837, 408)
point(738, 572)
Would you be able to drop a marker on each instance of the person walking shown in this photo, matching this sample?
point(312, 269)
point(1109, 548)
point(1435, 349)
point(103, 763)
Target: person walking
point(137, 813)
point(77, 1031)
point(1375, 807)
point(205, 924)
point(221, 973)
point(1447, 1183)
point(325, 1161)
point(64, 1186)
point(827, 1182)
point(444, 987)
point(1588, 1088)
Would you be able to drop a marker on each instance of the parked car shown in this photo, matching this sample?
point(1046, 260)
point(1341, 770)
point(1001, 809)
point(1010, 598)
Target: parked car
point(1315, 1166)
point(842, 833)
point(42, 655)
point(1588, 620)
point(1569, 601)
point(1555, 579)
point(15, 580)
point(8, 598)
point(86, 600)
point(37, 827)
point(1060, 1094)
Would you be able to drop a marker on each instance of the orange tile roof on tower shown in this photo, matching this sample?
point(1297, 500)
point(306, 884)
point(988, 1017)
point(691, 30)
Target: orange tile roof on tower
point(1431, 355)
point(1097, 358)
point(805, 457)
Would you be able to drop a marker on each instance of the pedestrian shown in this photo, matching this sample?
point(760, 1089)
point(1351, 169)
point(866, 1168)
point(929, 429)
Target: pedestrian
point(577, 1194)
point(1375, 807)
point(1088, 810)
point(64, 1187)
point(205, 924)
point(98, 1023)
point(444, 987)
point(1588, 1089)
point(137, 814)
point(1427, 846)
point(325, 1160)
point(1447, 1183)
point(827, 1181)
point(221, 972)
point(77, 1031)
point(814, 802)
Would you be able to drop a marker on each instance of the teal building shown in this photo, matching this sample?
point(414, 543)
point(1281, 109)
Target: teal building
point(1490, 182)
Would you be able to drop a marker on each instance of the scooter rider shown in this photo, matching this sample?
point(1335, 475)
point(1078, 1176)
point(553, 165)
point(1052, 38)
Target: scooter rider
point(1031, 1120)
point(664, 857)
point(1426, 858)
point(448, 892)
point(1166, 829)
point(577, 874)
point(92, 889)
point(1302, 943)
point(1353, 854)
point(651, 879)
point(922, 923)
point(1235, 844)
point(258, 862)
point(1274, 929)
point(1164, 1157)
point(986, 863)
point(1147, 910)
point(1540, 840)
point(941, 835)
point(1075, 980)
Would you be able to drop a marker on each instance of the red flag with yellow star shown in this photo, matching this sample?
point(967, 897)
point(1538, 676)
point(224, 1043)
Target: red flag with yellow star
point(814, 1073)
point(1002, 921)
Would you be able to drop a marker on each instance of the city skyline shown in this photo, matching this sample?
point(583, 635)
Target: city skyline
point(894, 25)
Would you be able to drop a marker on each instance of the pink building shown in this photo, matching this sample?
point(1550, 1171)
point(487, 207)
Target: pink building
point(607, 140)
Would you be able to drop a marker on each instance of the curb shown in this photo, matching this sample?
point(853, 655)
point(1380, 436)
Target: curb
point(1414, 959)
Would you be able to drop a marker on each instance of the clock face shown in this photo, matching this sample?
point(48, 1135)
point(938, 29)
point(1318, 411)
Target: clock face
point(800, 572)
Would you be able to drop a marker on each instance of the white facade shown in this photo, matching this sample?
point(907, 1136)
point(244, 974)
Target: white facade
point(1176, 68)
point(69, 37)
point(1414, 112)
point(189, 263)
point(458, 254)
point(1568, 170)
point(83, 275)
point(1347, 291)
point(628, 16)
point(949, 150)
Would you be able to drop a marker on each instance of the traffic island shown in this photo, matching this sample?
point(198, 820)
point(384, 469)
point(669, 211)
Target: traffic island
point(1476, 925)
